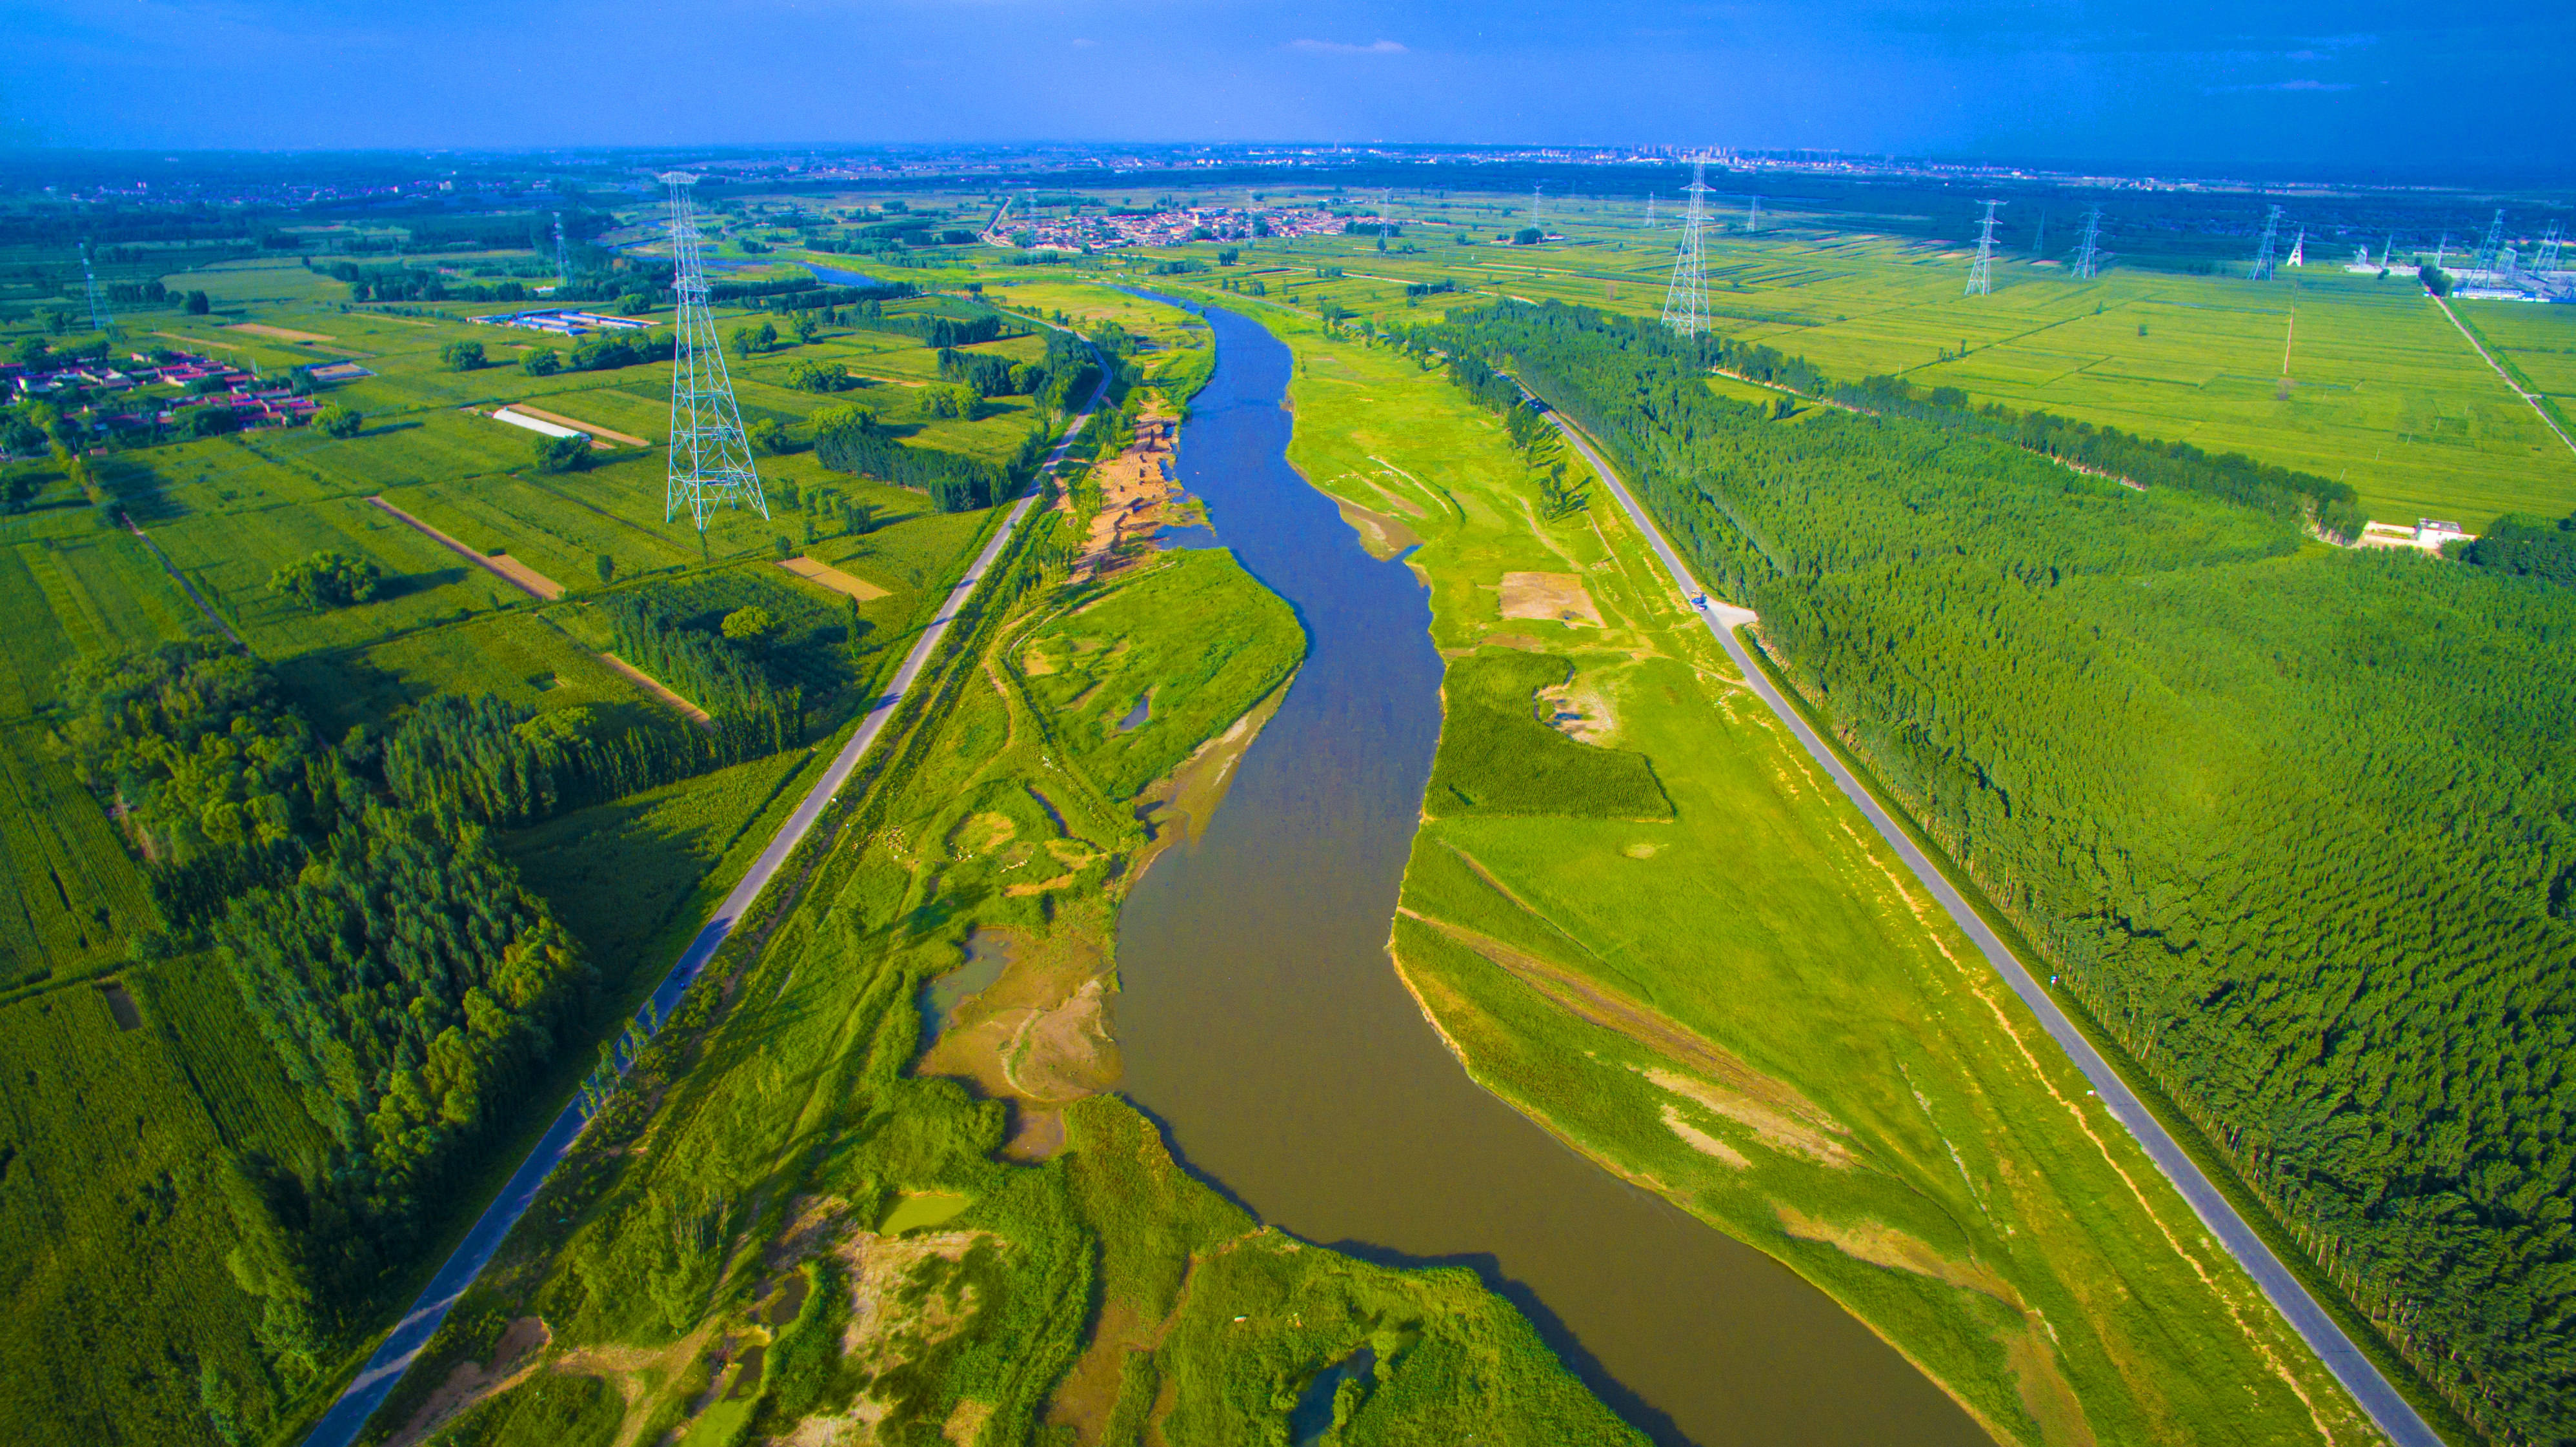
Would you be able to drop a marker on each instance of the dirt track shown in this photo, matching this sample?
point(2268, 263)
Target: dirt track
point(501, 565)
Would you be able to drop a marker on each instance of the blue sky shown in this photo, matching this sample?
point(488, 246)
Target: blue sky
point(2348, 85)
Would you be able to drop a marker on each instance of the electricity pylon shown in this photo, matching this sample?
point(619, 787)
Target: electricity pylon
point(710, 458)
point(1650, 211)
point(2088, 253)
point(2298, 249)
point(99, 318)
point(2547, 257)
point(1981, 276)
point(563, 256)
point(2487, 249)
point(1686, 300)
point(2261, 270)
point(1753, 215)
point(1534, 198)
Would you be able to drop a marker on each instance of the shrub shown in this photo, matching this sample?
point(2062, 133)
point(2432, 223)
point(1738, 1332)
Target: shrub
point(543, 362)
point(461, 356)
point(338, 421)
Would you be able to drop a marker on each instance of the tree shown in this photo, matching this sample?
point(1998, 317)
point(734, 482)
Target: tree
point(30, 352)
point(858, 517)
point(752, 623)
point(1528, 236)
point(338, 421)
point(326, 580)
point(769, 435)
point(461, 356)
point(562, 454)
point(806, 375)
point(2435, 279)
point(808, 326)
point(197, 304)
point(211, 421)
point(607, 568)
point(543, 362)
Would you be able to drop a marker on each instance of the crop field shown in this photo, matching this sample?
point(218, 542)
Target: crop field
point(2537, 341)
point(116, 1215)
point(69, 893)
point(107, 592)
point(229, 557)
point(1956, 1190)
point(520, 655)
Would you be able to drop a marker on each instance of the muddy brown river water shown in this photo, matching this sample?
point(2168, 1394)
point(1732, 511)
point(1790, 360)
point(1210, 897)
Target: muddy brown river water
point(1263, 1024)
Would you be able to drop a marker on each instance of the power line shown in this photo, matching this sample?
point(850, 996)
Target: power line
point(2088, 253)
point(1981, 276)
point(1686, 300)
point(2261, 270)
point(710, 457)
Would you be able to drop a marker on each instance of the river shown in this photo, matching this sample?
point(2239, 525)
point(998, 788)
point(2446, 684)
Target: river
point(1263, 1024)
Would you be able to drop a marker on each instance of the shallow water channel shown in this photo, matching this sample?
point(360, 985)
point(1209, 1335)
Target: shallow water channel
point(1263, 1024)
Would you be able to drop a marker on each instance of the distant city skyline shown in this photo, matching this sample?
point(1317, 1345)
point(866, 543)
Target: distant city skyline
point(2363, 85)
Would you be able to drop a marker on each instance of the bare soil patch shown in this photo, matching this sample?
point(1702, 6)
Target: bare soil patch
point(1559, 597)
point(1136, 488)
point(814, 570)
point(662, 691)
point(514, 1358)
point(283, 334)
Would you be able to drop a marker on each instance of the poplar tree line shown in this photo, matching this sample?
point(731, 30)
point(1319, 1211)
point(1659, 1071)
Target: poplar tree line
point(2298, 828)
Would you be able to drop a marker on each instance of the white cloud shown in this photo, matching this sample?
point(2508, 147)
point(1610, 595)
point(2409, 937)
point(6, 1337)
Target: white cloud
point(1337, 47)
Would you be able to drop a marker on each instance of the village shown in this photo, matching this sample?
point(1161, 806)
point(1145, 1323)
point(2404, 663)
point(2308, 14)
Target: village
point(106, 400)
point(1108, 230)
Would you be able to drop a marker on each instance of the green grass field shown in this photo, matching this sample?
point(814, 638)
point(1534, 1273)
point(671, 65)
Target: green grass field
point(1748, 1009)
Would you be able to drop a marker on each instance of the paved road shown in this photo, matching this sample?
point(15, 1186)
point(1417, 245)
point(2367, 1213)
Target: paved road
point(341, 1425)
point(2358, 1374)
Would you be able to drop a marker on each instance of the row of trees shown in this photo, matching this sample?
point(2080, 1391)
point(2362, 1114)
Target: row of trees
point(499, 763)
point(2299, 828)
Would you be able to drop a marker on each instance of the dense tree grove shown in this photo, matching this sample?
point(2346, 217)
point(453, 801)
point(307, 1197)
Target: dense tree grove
point(500, 763)
point(2528, 548)
point(2299, 828)
point(955, 482)
point(406, 982)
point(409, 985)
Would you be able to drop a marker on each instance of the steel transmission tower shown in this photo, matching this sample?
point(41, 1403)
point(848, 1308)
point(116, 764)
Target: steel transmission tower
point(563, 256)
point(1650, 211)
point(2547, 257)
point(1981, 276)
point(1686, 300)
point(710, 458)
point(1753, 216)
point(2299, 249)
point(99, 318)
point(2088, 252)
point(2487, 249)
point(2261, 270)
